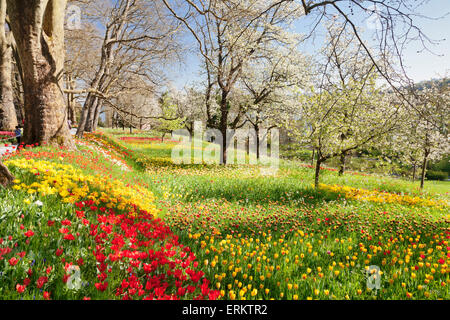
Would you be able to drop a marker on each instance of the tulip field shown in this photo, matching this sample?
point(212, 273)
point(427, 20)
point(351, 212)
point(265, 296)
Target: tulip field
point(116, 219)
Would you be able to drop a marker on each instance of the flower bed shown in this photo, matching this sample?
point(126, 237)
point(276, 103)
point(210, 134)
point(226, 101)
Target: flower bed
point(278, 252)
point(145, 140)
point(383, 197)
point(7, 134)
point(81, 236)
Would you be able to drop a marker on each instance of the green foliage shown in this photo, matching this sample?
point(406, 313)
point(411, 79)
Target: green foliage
point(292, 151)
point(170, 121)
point(442, 165)
point(436, 175)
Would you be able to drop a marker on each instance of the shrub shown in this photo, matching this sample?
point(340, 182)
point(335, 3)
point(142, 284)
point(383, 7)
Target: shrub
point(293, 152)
point(436, 175)
point(442, 165)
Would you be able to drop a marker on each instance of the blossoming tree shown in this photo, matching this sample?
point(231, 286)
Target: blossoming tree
point(345, 110)
point(420, 139)
point(228, 34)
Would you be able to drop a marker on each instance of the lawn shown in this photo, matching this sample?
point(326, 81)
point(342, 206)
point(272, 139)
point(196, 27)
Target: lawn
point(247, 235)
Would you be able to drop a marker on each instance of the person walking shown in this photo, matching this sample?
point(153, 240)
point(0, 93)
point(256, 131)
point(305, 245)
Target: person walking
point(18, 133)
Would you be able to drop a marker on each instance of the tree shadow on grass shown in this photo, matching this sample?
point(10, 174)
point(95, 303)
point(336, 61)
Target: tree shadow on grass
point(258, 191)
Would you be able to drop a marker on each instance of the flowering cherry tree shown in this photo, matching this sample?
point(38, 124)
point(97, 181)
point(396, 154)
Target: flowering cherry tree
point(420, 139)
point(228, 34)
point(267, 82)
point(345, 110)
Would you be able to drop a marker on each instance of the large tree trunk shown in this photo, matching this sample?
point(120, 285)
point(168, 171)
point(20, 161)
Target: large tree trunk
point(6, 177)
point(424, 169)
point(17, 83)
point(38, 28)
point(8, 118)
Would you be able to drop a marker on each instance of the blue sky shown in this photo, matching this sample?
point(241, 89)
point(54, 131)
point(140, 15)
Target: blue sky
point(420, 66)
point(424, 66)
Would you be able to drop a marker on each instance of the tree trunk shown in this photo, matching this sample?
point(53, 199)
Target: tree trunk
point(342, 163)
point(89, 124)
point(424, 169)
point(131, 123)
point(83, 118)
point(257, 141)
point(17, 85)
point(8, 118)
point(70, 99)
point(38, 28)
point(317, 173)
point(6, 177)
point(223, 126)
point(71, 109)
point(96, 116)
point(92, 101)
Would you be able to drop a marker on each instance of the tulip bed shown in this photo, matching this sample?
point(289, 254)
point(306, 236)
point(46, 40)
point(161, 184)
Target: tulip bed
point(66, 234)
point(115, 220)
point(275, 237)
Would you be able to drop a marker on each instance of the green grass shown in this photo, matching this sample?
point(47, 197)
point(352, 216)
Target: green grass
point(238, 202)
point(236, 218)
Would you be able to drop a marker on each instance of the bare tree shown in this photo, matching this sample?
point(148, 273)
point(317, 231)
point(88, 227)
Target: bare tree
point(82, 55)
point(137, 35)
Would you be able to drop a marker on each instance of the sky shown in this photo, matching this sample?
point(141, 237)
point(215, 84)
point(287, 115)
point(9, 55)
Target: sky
point(425, 65)
point(420, 66)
